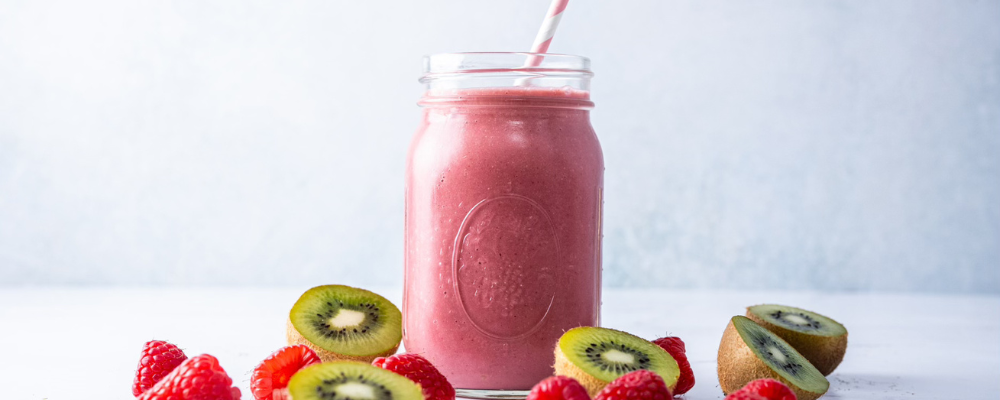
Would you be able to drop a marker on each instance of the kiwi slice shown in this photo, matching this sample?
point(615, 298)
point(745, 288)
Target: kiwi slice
point(351, 380)
point(596, 356)
point(819, 338)
point(345, 323)
point(749, 351)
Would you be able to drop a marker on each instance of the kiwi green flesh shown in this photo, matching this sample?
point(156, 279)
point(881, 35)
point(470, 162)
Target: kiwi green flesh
point(608, 354)
point(347, 320)
point(798, 320)
point(781, 357)
point(343, 380)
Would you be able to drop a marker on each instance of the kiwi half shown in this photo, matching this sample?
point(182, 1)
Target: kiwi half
point(749, 351)
point(345, 323)
point(596, 356)
point(819, 338)
point(351, 380)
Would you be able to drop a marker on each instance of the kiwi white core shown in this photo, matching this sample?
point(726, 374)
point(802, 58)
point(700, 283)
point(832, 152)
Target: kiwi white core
point(346, 318)
point(355, 390)
point(777, 354)
point(798, 320)
point(618, 356)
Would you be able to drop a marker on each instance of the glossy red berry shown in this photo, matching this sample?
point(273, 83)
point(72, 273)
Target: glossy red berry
point(675, 346)
point(636, 385)
point(434, 385)
point(271, 376)
point(741, 395)
point(558, 388)
point(763, 389)
point(157, 360)
point(197, 378)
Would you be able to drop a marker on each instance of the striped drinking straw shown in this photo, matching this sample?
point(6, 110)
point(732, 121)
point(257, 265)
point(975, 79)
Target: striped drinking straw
point(547, 31)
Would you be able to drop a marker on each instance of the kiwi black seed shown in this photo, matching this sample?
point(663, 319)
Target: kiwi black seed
point(819, 338)
point(596, 356)
point(749, 351)
point(345, 323)
point(350, 380)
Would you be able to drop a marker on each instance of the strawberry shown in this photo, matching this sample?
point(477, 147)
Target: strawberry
point(157, 360)
point(271, 375)
point(675, 346)
point(558, 388)
point(763, 389)
point(197, 378)
point(636, 385)
point(434, 385)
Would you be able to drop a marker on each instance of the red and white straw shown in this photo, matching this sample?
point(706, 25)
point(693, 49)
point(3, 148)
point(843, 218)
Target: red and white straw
point(549, 25)
point(548, 30)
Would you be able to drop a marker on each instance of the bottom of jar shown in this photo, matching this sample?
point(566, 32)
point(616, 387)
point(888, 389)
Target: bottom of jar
point(491, 394)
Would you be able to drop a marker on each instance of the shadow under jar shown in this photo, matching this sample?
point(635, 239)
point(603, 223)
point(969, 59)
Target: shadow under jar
point(504, 187)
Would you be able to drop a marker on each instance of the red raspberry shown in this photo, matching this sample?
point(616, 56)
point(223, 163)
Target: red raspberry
point(434, 385)
point(741, 395)
point(636, 385)
point(158, 359)
point(197, 378)
point(558, 388)
point(272, 374)
point(763, 389)
point(675, 346)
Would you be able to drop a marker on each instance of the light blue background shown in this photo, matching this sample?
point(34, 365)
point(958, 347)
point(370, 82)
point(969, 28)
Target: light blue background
point(841, 145)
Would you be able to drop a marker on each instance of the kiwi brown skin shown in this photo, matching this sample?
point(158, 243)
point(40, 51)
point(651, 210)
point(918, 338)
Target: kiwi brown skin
point(738, 365)
point(294, 337)
point(564, 367)
point(823, 352)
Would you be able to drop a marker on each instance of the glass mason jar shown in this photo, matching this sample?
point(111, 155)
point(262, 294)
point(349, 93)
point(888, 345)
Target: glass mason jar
point(504, 185)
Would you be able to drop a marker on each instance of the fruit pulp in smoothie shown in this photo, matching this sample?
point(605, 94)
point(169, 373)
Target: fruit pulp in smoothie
point(503, 232)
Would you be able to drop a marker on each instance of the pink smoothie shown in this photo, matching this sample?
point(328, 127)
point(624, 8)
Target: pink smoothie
point(503, 232)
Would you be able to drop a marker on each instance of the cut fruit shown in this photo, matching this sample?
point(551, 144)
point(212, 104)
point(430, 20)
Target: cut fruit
point(749, 351)
point(596, 356)
point(341, 380)
point(271, 376)
point(345, 323)
point(819, 338)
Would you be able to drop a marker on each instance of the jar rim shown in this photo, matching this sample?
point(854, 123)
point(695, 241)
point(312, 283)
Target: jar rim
point(451, 64)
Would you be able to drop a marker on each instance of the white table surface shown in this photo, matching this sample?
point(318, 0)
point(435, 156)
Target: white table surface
point(84, 343)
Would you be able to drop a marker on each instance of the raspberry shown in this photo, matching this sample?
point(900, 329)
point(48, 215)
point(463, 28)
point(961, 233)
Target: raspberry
point(763, 389)
point(558, 388)
point(271, 375)
point(434, 385)
point(675, 346)
point(197, 378)
point(741, 395)
point(636, 385)
point(157, 360)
